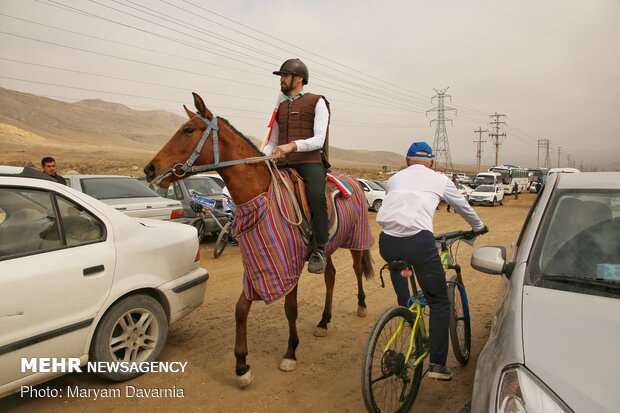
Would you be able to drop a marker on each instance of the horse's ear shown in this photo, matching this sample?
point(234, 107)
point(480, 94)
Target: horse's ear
point(201, 107)
point(190, 114)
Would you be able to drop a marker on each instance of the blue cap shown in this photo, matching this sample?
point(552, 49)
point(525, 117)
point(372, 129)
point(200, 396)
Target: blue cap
point(420, 147)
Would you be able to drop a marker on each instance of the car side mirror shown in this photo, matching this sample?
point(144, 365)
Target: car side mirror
point(365, 188)
point(490, 260)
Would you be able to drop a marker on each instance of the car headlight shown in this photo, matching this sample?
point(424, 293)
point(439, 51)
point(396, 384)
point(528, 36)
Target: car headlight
point(522, 392)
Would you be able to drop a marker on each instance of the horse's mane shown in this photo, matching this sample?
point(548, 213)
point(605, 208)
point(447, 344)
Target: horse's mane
point(240, 134)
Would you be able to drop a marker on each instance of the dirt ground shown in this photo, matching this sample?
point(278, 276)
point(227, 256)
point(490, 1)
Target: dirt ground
point(327, 378)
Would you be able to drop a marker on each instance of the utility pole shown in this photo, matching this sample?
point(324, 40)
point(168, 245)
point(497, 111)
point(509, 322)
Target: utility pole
point(547, 159)
point(495, 135)
point(544, 145)
point(479, 147)
point(568, 160)
point(441, 145)
point(559, 148)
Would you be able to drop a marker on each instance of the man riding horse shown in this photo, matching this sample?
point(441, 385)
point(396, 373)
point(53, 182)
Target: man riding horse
point(301, 136)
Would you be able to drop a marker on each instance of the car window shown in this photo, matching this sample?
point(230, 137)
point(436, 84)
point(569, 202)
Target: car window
point(203, 186)
point(580, 245)
point(112, 188)
point(79, 226)
point(29, 221)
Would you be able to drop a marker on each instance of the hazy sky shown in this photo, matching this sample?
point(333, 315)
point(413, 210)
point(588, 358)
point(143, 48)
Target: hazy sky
point(552, 67)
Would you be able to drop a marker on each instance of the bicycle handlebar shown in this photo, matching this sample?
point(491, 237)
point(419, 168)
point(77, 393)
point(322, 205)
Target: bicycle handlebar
point(453, 235)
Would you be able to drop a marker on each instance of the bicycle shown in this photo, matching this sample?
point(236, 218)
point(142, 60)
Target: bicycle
point(207, 206)
point(393, 362)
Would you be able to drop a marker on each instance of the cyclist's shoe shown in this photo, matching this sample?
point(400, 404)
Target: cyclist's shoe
point(317, 262)
point(439, 372)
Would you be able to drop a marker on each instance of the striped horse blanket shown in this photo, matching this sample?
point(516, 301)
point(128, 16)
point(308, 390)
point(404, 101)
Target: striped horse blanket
point(273, 250)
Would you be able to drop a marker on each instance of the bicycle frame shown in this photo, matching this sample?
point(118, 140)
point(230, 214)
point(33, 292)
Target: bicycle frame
point(418, 302)
point(445, 254)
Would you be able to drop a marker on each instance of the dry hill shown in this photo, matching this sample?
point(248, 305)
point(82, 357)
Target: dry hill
point(97, 136)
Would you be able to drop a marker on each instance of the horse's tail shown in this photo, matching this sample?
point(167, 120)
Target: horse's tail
point(367, 268)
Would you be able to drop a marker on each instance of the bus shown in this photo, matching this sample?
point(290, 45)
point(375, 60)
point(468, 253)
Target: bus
point(512, 175)
point(488, 178)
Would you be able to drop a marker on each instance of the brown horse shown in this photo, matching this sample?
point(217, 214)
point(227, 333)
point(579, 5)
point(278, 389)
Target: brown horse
point(211, 143)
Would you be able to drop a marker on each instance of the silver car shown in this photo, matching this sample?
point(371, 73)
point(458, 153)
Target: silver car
point(128, 195)
point(553, 345)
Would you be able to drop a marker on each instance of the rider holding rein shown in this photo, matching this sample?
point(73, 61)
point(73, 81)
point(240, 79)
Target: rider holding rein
point(300, 135)
point(406, 218)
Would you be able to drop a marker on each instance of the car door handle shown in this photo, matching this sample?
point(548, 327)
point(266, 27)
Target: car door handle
point(93, 270)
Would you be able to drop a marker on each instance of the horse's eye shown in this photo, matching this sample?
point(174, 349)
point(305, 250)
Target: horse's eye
point(189, 129)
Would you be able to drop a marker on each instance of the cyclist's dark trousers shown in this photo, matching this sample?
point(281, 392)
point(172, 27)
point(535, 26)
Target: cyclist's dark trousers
point(420, 251)
point(314, 175)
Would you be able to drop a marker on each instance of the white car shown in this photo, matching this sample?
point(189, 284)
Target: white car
point(375, 194)
point(553, 344)
point(81, 280)
point(129, 196)
point(487, 195)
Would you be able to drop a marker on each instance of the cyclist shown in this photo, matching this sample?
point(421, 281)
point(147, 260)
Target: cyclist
point(406, 219)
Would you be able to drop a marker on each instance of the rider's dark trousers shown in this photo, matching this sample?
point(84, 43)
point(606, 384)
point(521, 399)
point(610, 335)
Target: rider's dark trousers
point(314, 175)
point(420, 251)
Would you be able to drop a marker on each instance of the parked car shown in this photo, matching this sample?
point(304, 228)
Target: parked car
point(487, 195)
point(79, 279)
point(127, 195)
point(215, 176)
point(375, 194)
point(553, 345)
point(202, 185)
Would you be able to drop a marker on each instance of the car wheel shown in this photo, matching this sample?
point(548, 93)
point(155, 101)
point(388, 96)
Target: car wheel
point(201, 228)
point(494, 201)
point(376, 206)
point(132, 330)
point(501, 202)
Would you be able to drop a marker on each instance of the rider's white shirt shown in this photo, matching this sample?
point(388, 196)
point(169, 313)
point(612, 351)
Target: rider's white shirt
point(411, 200)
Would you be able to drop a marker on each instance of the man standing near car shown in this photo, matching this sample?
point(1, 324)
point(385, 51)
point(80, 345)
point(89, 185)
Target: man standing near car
point(406, 219)
point(300, 136)
point(48, 166)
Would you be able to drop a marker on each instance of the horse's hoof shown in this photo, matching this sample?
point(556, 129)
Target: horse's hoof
point(288, 365)
point(361, 311)
point(246, 379)
point(320, 332)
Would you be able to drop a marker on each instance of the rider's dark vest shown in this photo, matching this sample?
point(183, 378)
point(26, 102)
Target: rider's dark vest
point(296, 121)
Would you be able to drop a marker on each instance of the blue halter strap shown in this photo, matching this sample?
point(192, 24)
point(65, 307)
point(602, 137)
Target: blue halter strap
point(188, 166)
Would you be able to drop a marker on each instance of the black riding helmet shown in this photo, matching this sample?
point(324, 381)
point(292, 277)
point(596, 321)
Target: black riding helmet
point(294, 67)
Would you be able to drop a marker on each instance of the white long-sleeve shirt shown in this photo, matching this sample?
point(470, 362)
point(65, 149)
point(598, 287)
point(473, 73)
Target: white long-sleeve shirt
point(411, 200)
point(321, 120)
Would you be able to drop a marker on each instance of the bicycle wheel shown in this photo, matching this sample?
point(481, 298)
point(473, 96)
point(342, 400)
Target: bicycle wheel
point(388, 384)
point(222, 240)
point(460, 329)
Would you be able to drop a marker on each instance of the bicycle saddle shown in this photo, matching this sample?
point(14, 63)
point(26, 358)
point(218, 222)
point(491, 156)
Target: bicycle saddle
point(398, 265)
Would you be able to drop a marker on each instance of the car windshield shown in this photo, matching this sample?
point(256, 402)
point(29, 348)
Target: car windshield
point(374, 186)
point(117, 187)
point(485, 188)
point(484, 180)
point(203, 186)
point(381, 184)
point(581, 245)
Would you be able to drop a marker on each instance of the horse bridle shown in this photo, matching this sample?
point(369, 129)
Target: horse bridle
point(188, 166)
